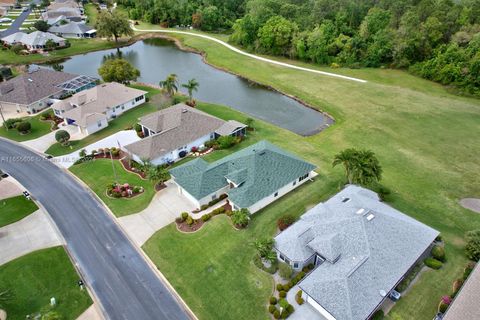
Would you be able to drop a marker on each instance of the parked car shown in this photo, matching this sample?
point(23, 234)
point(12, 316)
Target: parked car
point(27, 195)
point(394, 295)
point(2, 20)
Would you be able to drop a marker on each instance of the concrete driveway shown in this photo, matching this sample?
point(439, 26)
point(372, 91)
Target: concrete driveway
point(9, 188)
point(32, 233)
point(123, 137)
point(44, 142)
point(167, 204)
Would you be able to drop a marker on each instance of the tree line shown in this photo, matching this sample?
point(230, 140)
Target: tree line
point(436, 39)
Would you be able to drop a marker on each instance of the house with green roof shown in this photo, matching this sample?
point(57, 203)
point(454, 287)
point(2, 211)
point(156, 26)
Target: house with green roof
point(252, 177)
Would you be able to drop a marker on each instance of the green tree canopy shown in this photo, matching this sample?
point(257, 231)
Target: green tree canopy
point(118, 70)
point(191, 85)
point(113, 24)
point(170, 84)
point(361, 166)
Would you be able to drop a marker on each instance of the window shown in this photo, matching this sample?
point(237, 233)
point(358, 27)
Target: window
point(133, 103)
point(295, 265)
point(282, 258)
point(138, 98)
point(276, 194)
point(117, 107)
point(294, 183)
point(99, 123)
point(123, 107)
point(303, 177)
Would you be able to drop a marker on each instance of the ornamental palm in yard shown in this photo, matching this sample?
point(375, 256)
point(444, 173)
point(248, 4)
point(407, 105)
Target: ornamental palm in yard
point(361, 166)
point(191, 85)
point(157, 174)
point(170, 84)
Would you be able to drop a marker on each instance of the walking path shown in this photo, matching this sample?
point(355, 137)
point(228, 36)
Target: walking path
point(253, 56)
point(32, 233)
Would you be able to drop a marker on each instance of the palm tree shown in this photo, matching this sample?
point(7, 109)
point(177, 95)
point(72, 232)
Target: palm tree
point(191, 85)
point(157, 175)
point(347, 158)
point(5, 297)
point(170, 84)
point(361, 167)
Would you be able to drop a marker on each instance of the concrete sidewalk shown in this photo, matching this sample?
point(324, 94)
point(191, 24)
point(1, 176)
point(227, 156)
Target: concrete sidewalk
point(92, 313)
point(167, 204)
point(32, 233)
point(9, 188)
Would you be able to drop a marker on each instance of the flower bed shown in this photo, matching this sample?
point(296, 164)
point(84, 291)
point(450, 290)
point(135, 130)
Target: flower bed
point(127, 165)
point(123, 190)
point(187, 223)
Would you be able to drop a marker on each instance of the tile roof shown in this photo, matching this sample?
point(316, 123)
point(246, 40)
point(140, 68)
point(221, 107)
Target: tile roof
point(71, 28)
point(98, 100)
point(465, 305)
point(375, 245)
point(36, 38)
point(262, 169)
point(175, 127)
point(28, 88)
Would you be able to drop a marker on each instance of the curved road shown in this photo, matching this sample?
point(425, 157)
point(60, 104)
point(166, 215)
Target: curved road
point(122, 281)
point(253, 56)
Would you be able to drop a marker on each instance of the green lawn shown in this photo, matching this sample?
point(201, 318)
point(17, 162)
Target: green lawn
point(34, 278)
point(424, 137)
point(92, 13)
point(78, 46)
point(14, 209)
point(39, 128)
point(126, 120)
point(98, 174)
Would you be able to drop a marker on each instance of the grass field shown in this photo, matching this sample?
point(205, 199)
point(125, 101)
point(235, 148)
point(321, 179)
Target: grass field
point(128, 119)
point(92, 13)
point(14, 209)
point(39, 128)
point(34, 278)
point(98, 174)
point(424, 137)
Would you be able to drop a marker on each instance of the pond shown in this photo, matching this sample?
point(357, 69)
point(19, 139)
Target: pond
point(156, 58)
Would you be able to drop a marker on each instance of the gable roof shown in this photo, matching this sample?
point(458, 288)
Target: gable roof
point(31, 87)
point(375, 244)
point(230, 126)
point(36, 38)
point(70, 28)
point(260, 169)
point(96, 100)
point(175, 127)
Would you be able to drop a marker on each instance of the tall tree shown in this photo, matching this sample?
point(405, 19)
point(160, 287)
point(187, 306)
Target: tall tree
point(113, 24)
point(118, 70)
point(191, 85)
point(170, 84)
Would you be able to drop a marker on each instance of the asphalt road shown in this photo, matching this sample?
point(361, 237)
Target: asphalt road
point(122, 281)
point(16, 24)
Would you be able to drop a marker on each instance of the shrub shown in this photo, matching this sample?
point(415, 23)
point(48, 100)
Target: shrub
point(290, 309)
point(284, 314)
point(285, 270)
point(378, 315)
point(82, 153)
point(279, 287)
point(62, 136)
point(17, 48)
point(184, 216)
point(276, 314)
point(457, 285)
point(223, 196)
point(204, 207)
point(282, 294)
point(283, 303)
point(226, 142)
point(438, 253)
point(189, 220)
point(11, 123)
point(24, 126)
point(219, 210)
point(300, 300)
point(229, 213)
point(240, 218)
point(473, 245)
point(287, 286)
point(383, 193)
point(115, 152)
point(206, 217)
point(211, 144)
point(285, 222)
point(438, 238)
point(273, 300)
point(194, 149)
point(272, 309)
point(442, 307)
point(214, 202)
point(433, 263)
point(138, 127)
point(136, 189)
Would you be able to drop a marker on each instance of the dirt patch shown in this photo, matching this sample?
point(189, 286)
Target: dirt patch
point(471, 204)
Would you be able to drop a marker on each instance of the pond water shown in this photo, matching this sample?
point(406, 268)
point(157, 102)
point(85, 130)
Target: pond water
point(156, 58)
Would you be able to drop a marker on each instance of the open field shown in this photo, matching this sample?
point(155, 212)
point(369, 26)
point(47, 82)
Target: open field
point(424, 138)
point(128, 119)
point(14, 209)
point(34, 278)
point(98, 174)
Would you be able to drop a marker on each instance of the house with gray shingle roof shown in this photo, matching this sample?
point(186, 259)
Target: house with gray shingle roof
point(171, 133)
point(252, 177)
point(33, 41)
point(38, 88)
point(73, 29)
point(361, 248)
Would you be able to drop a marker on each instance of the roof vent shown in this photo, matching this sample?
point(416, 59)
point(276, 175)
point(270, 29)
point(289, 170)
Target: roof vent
point(345, 200)
point(370, 217)
point(30, 80)
point(184, 110)
point(383, 293)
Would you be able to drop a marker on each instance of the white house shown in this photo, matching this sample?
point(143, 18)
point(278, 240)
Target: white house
point(171, 133)
point(252, 178)
point(91, 109)
point(36, 40)
point(361, 249)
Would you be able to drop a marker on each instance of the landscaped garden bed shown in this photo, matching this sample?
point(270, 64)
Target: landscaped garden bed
point(116, 190)
point(186, 223)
